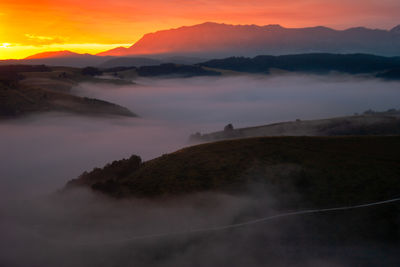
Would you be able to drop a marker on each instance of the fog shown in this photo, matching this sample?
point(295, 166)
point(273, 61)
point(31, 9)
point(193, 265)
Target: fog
point(40, 153)
point(210, 103)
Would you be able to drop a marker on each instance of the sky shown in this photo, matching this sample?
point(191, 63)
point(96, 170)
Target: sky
point(32, 26)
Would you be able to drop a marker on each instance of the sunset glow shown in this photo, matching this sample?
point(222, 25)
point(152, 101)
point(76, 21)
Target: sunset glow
point(33, 26)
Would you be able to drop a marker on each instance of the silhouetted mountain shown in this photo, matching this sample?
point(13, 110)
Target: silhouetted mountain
point(396, 29)
point(118, 51)
point(56, 54)
point(59, 58)
point(219, 40)
point(313, 63)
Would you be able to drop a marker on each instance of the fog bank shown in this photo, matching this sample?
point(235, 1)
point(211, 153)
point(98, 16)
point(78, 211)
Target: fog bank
point(81, 229)
point(213, 102)
point(40, 153)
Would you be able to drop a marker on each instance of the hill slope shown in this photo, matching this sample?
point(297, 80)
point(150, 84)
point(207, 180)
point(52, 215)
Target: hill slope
point(297, 172)
point(30, 89)
point(319, 166)
point(373, 123)
point(311, 63)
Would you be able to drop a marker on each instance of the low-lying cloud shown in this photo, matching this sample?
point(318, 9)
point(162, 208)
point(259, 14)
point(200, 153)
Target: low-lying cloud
point(245, 101)
point(39, 154)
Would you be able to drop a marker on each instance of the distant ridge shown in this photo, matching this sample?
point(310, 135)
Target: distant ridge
point(59, 58)
point(396, 29)
point(220, 40)
point(199, 43)
point(52, 54)
point(320, 63)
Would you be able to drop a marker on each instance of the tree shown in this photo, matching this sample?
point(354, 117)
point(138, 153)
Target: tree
point(91, 71)
point(228, 128)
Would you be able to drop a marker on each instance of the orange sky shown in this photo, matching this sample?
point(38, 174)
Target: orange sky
point(33, 26)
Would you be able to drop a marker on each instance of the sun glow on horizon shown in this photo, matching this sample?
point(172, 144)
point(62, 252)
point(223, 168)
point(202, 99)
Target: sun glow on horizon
point(5, 45)
point(33, 26)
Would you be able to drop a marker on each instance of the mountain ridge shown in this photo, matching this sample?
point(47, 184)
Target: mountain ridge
point(396, 29)
point(230, 36)
point(54, 54)
point(214, 39)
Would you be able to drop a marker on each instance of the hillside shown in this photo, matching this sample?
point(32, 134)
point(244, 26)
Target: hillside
point(165, 70)
point(320, 166)
point(148, 61)
point(310, 63)
point(221, 40)
point(354, 64)
point(369, 123)
point(299, 172)
point(31, 89)
point(393, 74)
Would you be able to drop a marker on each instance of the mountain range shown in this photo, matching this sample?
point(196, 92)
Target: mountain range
point(220, 40)
point(59, 58)
point(197, 43)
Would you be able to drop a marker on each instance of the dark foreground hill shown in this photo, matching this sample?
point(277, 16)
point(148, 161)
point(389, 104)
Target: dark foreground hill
point(300, 172)
point(327, 170)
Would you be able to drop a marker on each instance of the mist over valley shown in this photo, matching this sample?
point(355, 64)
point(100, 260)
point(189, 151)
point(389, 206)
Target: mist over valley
point(216, 144)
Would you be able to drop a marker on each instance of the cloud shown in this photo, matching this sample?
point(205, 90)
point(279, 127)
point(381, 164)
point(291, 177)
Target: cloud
point(40, 153)
point(45, 40)
point(171, 110)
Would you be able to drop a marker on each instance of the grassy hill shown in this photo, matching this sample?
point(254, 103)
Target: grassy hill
point(360, 168)
point(369, 123)
point(299, 172)
point(26, 89)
